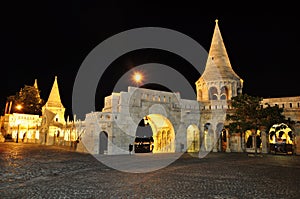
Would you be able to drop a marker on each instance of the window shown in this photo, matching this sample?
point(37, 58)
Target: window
point(224, 93)
point(213, 93)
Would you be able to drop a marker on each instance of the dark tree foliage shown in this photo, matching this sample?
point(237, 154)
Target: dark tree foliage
point(250, 114)
point(271, 115)
point(29, 98)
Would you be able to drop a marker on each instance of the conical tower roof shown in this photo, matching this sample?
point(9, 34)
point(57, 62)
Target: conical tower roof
point(54, 97)
point(35, 85)
point(218, 66)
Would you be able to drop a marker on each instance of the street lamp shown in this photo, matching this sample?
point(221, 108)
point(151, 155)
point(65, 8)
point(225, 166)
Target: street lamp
point(19, 107)
point(137, 78)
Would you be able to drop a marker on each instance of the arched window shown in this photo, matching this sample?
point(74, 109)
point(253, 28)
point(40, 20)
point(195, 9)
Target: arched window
point(213, 93)
point(224, 93)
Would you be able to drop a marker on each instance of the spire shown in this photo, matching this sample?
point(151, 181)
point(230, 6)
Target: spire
point(35, 84)
point(54, 97)
point(218, 64)
point(36, 87)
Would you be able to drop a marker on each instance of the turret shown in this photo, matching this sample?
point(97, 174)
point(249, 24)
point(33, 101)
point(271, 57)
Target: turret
point(218, 81)
point(54, 104)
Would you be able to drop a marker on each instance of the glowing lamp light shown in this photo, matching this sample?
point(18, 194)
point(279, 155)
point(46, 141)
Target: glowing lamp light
point(19, 107)
point(137, 78)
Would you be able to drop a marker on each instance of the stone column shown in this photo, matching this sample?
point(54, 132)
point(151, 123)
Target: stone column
point(204, 144)
point(264, 143)
point(215, 142)
point(239, 140)
point(227, 142)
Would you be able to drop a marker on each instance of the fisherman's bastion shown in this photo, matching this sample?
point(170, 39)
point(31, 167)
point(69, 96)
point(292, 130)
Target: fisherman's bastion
point(177, 125)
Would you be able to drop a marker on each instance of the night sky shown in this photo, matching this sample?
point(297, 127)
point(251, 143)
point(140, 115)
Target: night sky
point(44, 39)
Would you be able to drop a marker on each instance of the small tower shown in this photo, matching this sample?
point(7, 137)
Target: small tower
point(218, 81)
point(54, 104)
point(35, 85)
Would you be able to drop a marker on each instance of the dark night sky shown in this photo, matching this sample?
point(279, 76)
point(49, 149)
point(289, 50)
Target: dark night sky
point(40, 40)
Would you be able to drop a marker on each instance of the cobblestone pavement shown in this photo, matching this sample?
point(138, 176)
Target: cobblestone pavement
point(37, 171)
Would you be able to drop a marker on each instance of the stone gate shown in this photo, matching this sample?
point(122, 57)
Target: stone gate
point(174, 122)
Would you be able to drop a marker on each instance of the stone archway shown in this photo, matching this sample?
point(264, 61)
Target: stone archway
point(220, 134)
point(162, 132)
point(223, 140)
point(103, 142)
point(143, 142)
point(193, 138)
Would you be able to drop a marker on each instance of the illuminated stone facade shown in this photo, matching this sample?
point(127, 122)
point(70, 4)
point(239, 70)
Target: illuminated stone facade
point(169, 116)
point(51, 128)
point(215, 88)
point(290, 105)
point(177, 124)
point(199, 124)
point(55, 129)
point(24, 127)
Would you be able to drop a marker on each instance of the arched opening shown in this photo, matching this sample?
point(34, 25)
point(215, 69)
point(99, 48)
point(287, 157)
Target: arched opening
point(224, 93)
point(155, 134)
point(223, 140)
point(281, 139)
point(193, 138)
point(103, 142)
point(248, 139)
point(207, 137)
point(220, 132)
point(143, 142)
point(253, 138)
point(213, 93)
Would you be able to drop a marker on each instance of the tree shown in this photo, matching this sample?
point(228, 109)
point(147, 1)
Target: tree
point(245, 114)
point(272, 115)
point(29, 98)
point(249, 114)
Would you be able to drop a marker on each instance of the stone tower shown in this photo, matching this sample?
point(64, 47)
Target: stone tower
point(54, 104)
point(218, 81)
point(215, 88)
point(53, 117)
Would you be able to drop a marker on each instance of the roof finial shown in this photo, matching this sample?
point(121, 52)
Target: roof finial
point(216, 20)
point(35, 83)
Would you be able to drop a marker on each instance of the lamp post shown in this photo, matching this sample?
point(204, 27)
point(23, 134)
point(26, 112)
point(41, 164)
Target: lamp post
point(19, 107)
point(18, 130)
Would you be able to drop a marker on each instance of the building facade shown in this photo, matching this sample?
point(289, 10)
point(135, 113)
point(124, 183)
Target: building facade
point(51, 128)
point(177, 124)
point(203, 119)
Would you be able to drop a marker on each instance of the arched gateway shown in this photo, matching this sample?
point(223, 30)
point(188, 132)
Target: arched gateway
point(169, 116)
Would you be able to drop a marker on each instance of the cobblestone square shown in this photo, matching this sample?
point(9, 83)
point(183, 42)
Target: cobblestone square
point(39, 171)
